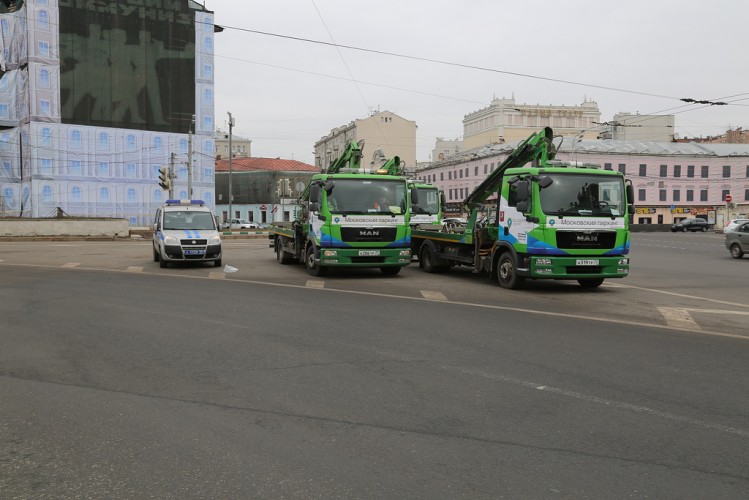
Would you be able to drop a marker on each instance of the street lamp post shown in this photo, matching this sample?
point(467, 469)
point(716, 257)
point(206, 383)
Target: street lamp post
point(231, 153)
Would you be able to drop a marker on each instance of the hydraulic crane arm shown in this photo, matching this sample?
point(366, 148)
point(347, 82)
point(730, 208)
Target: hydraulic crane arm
point(351, 156)
point(538, 148)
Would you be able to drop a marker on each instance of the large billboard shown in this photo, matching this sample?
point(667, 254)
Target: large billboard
point(127, 64)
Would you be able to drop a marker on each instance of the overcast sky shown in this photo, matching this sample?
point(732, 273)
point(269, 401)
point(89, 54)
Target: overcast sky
point(634, 56)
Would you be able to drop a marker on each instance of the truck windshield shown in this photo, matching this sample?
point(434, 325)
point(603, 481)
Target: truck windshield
point(584, 195)
point(188, 220)
point(367, 196)
point(428, 201)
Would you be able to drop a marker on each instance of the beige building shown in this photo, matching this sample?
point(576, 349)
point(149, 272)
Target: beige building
point(239, 145)
point(383, 130)
point(505, 121)
point(446, 148)
point(637, 127)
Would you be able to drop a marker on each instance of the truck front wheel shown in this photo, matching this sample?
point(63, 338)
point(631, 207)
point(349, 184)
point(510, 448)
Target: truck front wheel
point(507, 276)
point(312, 263)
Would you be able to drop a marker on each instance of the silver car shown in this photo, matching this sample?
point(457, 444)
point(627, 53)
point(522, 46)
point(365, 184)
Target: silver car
point(737, 240)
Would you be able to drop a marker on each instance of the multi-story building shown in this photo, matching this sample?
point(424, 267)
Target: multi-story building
point(255, 184)
point(671, 180)
point(505, 121)
point(445, 148)
point(240, 146)
point(96, 97)
point(637, 127)
point(383, 130)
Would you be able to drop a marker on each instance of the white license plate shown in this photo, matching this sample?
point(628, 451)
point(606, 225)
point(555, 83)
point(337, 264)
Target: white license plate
point(194, 252)
point(368, 253)
point(591, 262)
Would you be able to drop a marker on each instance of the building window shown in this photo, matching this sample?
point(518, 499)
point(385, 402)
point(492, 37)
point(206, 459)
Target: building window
point(45, 107)
point(623, 168)
point(461, 173)
point(42, 20)
point(208, 97)
point(442, 176)
point(641, 194)
point(43, 49)
point(46, 136)
point(75, 167)
point(449, 176)
point(677, 195)
point(104, 195)
point(664, 170)
point(690, 171)
point(44, 79)
point(46, 167)
point(132, 197)
point(690, 194)
point(208, 123)
point(75, 194)
point(703, 194)
point(103, 169)
point(75, 139)
point(476, 171)
point(131, 170)
point(207, 71)
point(746, 194)
point(677, 170)
point(158, 144)
point(6, 168)
point(156, 196)
point(104, 140)
point(486, 169)
point(4, 111)
point(726, 171)
point(183, 145)
point(662, 195)
point(466, 171)
point(747, 171)
point(724, 193)
point(607, 166)
point(47, 194)
point(705, 170)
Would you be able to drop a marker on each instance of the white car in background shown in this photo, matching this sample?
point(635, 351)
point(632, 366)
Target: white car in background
point(734, 223)
point(240, 224)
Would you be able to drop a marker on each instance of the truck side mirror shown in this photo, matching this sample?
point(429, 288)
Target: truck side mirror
point(630, 194)
point(329, 186)
point(414, 196)
point(443, 201)
point(522, 191)
point(314, 194)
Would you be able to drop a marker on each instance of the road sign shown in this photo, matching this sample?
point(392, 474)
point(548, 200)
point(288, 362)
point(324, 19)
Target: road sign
point(728, 198)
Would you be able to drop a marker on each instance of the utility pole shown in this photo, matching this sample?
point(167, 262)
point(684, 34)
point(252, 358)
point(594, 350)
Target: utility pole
point(189, 159)
point(231, 153)
point(172, 177)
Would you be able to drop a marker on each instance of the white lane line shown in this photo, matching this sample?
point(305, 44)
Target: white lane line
point(135, 269)
point(674, 294)
point(71, 264)
point(216, 275)
point(602, 401)
point(315, 284)
point(428, 294)
point(678, 318)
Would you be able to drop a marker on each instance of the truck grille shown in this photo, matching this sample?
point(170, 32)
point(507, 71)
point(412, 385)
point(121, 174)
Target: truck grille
point(583, 240)
point(355, 234)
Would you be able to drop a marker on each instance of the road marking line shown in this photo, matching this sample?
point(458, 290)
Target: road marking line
point(678, 318)
point(427, 294)
point(700, 298)
point(217, 275)
point(134, 269)
point(315, 284)
point(602, 401)
point(71, 264)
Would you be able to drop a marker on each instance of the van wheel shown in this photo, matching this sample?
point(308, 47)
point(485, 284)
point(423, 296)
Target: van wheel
point(507, 276)
point(590, 282)
point(217, 263)
point(162, 263)
point(311, 263)
point(155, 255)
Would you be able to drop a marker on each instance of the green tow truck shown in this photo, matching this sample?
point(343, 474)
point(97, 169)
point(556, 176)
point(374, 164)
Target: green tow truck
point(349, 216)
point(550, 220)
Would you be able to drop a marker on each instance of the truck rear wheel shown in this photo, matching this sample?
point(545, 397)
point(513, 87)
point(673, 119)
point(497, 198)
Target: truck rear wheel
point(507, 276)
point(312, 263)
point(590, 282)
point(282, 255)
point(427, 260)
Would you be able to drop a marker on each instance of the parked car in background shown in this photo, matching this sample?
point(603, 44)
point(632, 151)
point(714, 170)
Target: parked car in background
point(691, 224)
point(733, 223)
point(240, 224)
point(737, 240)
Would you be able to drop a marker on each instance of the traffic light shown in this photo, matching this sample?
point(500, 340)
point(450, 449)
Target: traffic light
point(164, 181)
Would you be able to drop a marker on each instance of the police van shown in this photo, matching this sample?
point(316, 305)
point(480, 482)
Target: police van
point(185, 231)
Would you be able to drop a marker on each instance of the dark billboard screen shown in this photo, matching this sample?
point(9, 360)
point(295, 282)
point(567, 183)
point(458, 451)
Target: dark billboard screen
point(127, 64)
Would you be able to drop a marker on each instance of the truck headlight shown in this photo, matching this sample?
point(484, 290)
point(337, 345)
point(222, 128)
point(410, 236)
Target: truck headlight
point(543, 262)
point(405, 253)
point(330, 253)
point(624, 261)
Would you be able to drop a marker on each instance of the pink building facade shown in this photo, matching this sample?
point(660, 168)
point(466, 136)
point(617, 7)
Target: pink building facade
point(671, 180)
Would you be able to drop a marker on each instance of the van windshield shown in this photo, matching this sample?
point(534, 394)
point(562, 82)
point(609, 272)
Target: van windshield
point(188, 220)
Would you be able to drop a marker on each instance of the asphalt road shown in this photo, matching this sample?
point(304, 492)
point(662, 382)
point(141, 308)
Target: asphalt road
point(122, 380)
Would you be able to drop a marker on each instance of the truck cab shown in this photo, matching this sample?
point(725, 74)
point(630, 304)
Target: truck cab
point(185, 231)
